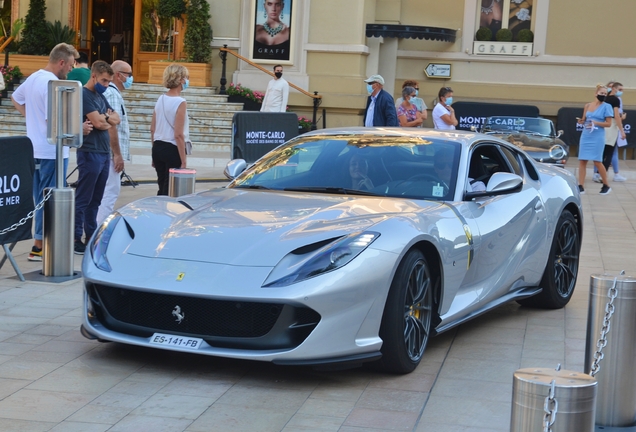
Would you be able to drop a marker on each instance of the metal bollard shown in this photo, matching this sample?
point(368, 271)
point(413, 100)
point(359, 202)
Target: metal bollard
point(182, 181)
point(616, 404)
point(59, 214)
point(571, 408)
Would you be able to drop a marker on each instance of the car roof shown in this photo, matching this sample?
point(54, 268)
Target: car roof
point(461, 137)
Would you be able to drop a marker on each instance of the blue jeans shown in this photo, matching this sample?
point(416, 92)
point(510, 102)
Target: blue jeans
point(93, 173)
point(44, 177)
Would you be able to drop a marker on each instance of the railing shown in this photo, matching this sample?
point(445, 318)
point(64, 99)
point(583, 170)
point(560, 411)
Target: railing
point(317, 99)
point(5, 44)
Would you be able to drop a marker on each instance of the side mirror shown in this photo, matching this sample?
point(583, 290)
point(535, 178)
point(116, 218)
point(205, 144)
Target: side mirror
point(499, 184)
point(559, 133)
point(234, 168)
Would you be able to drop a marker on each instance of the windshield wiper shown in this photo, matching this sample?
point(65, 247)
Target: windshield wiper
point(255, 186)
point(331, 190)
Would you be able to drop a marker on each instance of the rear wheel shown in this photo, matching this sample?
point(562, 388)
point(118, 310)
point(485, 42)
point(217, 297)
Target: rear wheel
point(561, 270)
point(406, 323)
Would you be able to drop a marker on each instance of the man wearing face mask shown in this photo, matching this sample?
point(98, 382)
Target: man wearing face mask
point(380, 110)
point(93, 158)
point(277, 93)
point(122, 79)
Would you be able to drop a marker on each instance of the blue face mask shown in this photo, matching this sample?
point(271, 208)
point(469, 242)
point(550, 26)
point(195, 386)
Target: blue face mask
point(449, 100)
point(417, 93)
point(619, 93)
point(186, 84)
point(128, 83)
point(369, 88)
point(100, 88)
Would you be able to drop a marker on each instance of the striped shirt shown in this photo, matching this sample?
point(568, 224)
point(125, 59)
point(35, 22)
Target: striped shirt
point(114, 98)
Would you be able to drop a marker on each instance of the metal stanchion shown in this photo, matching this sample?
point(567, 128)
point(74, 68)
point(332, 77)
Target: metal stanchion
point(64, 128)
point(610, 353)
point(58, 238)
point(181, 182)
point(552, 400)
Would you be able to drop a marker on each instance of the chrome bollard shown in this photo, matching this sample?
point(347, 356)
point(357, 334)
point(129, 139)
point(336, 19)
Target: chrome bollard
point(571, 408)
point(181, 182)
point(616, 405)
point(59, 215)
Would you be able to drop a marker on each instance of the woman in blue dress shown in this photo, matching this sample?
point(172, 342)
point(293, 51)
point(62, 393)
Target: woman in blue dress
point(597, 115)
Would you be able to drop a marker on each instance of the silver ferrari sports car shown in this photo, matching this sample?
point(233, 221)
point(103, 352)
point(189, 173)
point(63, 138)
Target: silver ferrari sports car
point(341, 246)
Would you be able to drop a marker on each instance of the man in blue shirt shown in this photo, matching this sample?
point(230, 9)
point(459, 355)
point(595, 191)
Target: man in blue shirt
point(380, 109)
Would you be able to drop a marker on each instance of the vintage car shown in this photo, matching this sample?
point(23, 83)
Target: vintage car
point(341, 246)
point(536, 136)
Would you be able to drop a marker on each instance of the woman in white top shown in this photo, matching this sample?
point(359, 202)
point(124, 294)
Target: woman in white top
point(169, 130)
point(443, 113)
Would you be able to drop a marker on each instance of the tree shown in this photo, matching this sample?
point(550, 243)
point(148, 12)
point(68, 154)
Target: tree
point(35, 31)
point(198, 36)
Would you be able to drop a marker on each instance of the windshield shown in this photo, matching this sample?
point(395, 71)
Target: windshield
point(392, 166)
point(519, 124)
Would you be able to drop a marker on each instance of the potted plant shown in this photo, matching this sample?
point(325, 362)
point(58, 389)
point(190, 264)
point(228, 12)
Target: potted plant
point(196, 46)
point(304, 125)
point(35, 31)
point(251, 100)
point(57, 33)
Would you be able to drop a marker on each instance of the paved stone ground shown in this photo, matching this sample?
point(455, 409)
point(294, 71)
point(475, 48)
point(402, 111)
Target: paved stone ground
point(52, 379)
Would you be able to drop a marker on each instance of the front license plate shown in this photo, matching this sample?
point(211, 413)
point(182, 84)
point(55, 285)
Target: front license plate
point(176, 341)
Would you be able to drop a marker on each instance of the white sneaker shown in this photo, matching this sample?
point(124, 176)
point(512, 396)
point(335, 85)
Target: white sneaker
point(619, 178)
point(597, 178)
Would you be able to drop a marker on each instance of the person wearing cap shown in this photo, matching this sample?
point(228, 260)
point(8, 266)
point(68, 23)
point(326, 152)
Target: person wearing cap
point(380, 109)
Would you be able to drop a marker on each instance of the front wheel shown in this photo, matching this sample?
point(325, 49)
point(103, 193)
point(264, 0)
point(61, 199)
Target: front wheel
point(561, 270)
point(406, 323)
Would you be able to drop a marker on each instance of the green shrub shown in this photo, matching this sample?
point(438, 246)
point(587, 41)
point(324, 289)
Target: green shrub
point(198, 36)
point(483, 34)
point(58, 34)
point(525, 35)
point(171, 8)
point(504, 35)
point(34, 32)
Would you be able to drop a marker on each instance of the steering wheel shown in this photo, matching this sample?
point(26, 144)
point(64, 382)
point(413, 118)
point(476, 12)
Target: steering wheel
point(424, 176)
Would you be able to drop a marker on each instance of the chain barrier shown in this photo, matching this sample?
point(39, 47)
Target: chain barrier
point(550, 407)
point(602, 341)
point(29, 215)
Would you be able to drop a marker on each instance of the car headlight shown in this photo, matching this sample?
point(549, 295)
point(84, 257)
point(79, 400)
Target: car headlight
point(557, 152)
point(100, 241)
point(307, 262)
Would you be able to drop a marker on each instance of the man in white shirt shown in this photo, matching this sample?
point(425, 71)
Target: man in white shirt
point(122, 79)
point(277, 93)
point(31, 99)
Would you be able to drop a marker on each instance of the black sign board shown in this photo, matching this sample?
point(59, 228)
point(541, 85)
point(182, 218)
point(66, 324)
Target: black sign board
point(256, 133)
point(566, 121)
point(475, 113)
point(16, 187)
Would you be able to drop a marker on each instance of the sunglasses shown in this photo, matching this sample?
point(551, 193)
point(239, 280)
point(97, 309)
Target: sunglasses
point(126, 73)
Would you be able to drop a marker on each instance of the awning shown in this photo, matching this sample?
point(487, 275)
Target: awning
point(411, 32)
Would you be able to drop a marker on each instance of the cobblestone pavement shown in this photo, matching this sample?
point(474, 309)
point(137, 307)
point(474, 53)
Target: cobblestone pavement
point(52, 379)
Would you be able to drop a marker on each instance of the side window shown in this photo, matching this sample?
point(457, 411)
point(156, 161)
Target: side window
point(530, 169)
point(513, 159)
point(485, 160)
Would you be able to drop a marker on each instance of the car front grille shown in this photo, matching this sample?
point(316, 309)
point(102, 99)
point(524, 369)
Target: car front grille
point(219, 322)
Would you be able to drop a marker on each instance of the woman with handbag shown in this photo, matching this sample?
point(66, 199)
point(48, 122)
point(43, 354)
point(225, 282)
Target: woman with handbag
point(169, 130)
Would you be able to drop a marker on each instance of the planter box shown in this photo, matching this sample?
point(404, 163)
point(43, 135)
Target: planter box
point(248, 104)
point(28, 63)
point(200, 73)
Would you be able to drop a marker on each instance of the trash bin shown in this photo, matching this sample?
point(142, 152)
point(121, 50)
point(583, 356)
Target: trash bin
point(616, 404)
point(182, 181)
point(574, 392)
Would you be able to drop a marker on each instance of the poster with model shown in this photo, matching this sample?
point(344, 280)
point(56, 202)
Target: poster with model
point(272, 30)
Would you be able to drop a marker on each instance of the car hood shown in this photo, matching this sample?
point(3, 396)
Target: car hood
point(252, 228)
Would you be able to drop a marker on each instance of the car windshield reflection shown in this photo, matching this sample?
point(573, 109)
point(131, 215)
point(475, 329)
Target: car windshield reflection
point(387, 166)
point(519, 124)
